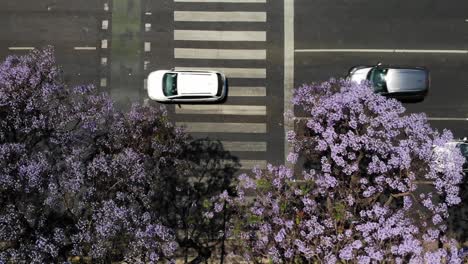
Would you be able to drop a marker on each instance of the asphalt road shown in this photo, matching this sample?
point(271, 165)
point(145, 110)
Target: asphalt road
point(115, 44)
point(415, 25)
point(250, 123)
point(60, 23)
point(140, 37)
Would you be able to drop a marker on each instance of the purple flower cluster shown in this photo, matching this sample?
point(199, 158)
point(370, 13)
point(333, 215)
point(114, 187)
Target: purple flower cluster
point(77, 177)
point(376, 185)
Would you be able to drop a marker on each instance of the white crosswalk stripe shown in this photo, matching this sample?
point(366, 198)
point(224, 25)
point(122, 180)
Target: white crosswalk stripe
point(208, 127)
point(245, 75)
point(221, 1)
point(220, 54)
point(247, 91)
point(212, 16)
point(222, 109)
point(231, 72)
point(244, 145)
point(249, 164)
point(219, 35)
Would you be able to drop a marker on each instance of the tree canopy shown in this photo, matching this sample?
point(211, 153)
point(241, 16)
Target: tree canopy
point(374, 184)
point(81, 179)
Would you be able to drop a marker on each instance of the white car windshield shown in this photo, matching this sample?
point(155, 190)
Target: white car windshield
point(170, 84)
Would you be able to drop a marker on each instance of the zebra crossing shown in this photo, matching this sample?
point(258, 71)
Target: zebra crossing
point(241, 122)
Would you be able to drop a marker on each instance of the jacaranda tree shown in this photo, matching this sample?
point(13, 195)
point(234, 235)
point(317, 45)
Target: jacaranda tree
point(376, 185)
point(80, 180)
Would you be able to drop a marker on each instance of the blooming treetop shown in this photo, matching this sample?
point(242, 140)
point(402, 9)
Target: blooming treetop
point(378, 190)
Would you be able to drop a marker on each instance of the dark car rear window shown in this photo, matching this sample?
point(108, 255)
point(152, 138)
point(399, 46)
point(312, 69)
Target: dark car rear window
point(220, 85)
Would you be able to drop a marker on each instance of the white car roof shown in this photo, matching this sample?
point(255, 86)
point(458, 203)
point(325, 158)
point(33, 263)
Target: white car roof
point(197, 83)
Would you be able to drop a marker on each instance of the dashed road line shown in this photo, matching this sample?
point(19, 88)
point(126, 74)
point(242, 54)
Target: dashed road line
point(84, 48)
point(20, 48)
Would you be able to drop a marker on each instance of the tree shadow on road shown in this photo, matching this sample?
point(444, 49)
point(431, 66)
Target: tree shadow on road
point(187, 198)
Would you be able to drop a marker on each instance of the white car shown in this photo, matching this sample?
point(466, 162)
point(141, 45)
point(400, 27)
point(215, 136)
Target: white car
point(407, 83)
point(170, 86)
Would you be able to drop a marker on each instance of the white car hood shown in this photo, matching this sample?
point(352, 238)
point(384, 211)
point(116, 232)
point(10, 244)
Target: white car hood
point(155, 81)
point(360, 75)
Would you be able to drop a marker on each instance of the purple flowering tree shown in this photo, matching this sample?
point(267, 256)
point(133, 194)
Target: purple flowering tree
point(80, 180)
point(376, 184)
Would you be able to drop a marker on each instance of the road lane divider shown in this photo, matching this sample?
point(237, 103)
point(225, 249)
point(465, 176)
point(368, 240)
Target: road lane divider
point(380, 51)
point(447, 118)
point(84, 48)
point(20, 48)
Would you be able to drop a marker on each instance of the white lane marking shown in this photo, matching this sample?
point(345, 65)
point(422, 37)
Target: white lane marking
point(222, 109)
point(147, 27)
point(84, 48)
point(103, 82)
point(148, 13)
point(207, 127)
point(247, 91)
point(221, 1)
point(448, 118)
point(103, 61)
point(466, 20)
point(383, 51)
point(105, 24)
point(216, 35)
point(104, 44)
point(229, 54)
point(106, 7)
point(288, 71)
point(147, 46)
point(211, 16)
point(20, 48)
point(244, 145)
point(258, 73)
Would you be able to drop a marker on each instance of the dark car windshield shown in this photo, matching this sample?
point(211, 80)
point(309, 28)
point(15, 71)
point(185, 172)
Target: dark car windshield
point(170, 84)
point(464, 150)
point(377, 77)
